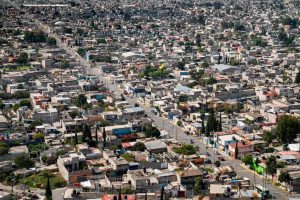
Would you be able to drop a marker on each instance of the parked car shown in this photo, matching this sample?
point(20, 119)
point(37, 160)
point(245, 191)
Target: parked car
point(221, 158)
point(208, 162)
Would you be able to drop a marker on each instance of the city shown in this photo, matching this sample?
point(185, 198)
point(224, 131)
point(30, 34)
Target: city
point(157, 99)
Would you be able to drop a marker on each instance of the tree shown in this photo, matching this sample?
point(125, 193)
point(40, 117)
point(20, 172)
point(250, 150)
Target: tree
point(217, 163)
point(162, 191)
point(65, 64)
point(104, 137)
point(38, 136)
point(139, 146)
point(34, 37)
point(220, 123)
point(267, 136)
point(81, 100)
point(297, 79)
point(127, 190)
point(212, 124)
point(186, 149)
point(284, 177)
point(198, 185)
point(183, 98)
point(51, 41)
point(247, 159)
point(3, 148)
point(34, 124)
point(104, 123)
point(287, 129)
point(87, 134)
point(48, 190)
point(151, 131)
point(179, 123)
point(120, 194)
point(22, 59)
point(96, 135)
point(271, 165)
point(25, 102)
point(236, 151)
point(202, 127)
point(81, 52)
point(76, 139)
point(24, 162)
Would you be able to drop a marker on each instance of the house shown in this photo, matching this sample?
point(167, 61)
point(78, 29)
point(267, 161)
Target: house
point(224, 69)
point(156, 146)
point(21, 150)
point(244, 148)
point(73, 168)
point(46, 116)
point(4, 122)
point(187, 177)
point(119, 164)
point(133, 113)
point(290, 157)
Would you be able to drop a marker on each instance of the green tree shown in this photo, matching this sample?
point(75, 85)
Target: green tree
point(22, 59)
point(271, 165)
point(76, 139)
point(247, 159)
point(183, 98)
point(96, 135)
point(205, 65)
point(87, 133)
point(81, 100)
point(287, 129)
point(81, 52)
point(236, 152)
point(162, 193)
point(104, 123)
point(268, 136)
point(51, 41)
point(101, 40)
point(151, 131)
point(48, 193)
point(120, 194)
point(3, 148)
point(34, 37)
point(217, 163)
point(65, 64)
point(198, 185)
point(104, 137)
point(24, 162)
point(297, 79)
point(25, 102)
point(179, 123)
point(212, 123)
point(202, 127)
point(186, 149)
point(139, 146)
point(38, 136)
point(16, 107)
point(127, 190)
point(220, 123)
point(284, 177)
point(34, 124)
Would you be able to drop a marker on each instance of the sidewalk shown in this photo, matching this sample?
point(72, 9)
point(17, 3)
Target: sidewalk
point(261, 176)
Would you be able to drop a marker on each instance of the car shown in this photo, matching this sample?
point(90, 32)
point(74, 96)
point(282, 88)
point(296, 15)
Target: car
point(192, 141)
point(208, 162)
point(221, 158)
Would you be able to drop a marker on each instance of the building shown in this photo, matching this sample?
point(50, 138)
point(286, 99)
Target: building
point(73, 168)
